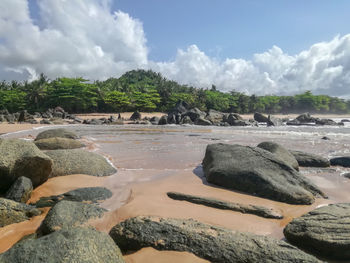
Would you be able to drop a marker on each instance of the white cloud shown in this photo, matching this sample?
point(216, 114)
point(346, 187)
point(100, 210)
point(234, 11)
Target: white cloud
point(85, 38)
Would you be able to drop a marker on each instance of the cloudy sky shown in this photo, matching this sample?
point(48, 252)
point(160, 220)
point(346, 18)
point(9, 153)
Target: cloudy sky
point(252, 46)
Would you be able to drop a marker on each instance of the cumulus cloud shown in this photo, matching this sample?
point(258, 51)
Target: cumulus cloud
point(86, 38)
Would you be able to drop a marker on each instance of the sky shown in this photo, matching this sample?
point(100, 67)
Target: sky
point(281, 47)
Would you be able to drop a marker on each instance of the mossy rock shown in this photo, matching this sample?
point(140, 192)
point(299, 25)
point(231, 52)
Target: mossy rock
point(60, 132)
point(57, 143)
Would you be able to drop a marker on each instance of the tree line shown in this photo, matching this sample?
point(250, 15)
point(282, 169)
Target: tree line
point(149, 91)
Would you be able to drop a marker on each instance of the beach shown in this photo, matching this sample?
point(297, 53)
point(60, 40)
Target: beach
point(154, 160)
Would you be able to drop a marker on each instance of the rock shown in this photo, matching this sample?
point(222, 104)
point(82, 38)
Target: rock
point(281, 153)
point(56, 143)
point(45, 121)
point(10, 118)
point(341, 161)
point(95, 122)
point(215, 203)
point(305, 118)
point(67, 245)
point(294, 123)
point(202, 122)
point(21, 190)
point(20, 157)
point(347, 175)
point(310, 160)
point(213, 243)
point(259, 117)
point(325, 231)
point(171, 119)
point(325, 138)
point(67, 214)
point(194, 114)
point(215, 116)
point(57, 115)
point(86, 194)
point(325, 122)
point(135, 116)
point(180, 107)
point(163, 120)
point(257, 171)
point(345, 120)
point(24, 116)
point(13, 212)
point(154, 120)
point(186, 120)
point(78, 161)
point(62, 133)
point(272, 121)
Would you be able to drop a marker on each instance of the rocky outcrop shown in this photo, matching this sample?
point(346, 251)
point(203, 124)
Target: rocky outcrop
point(325, 231)
point(215, 203)
point(66, 214)
point(18, 158)
point(86, 195)
point(78, 161)
point(62, 133)
point(13, 212)
point(341, 161)
point(257, 171)
point(206, 241)
point(280, 152)
point(21, 190)
point(67, 245)
point(310, 160)
point(57, 143)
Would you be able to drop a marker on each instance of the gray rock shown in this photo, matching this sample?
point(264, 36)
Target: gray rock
point(180, 107)
point(135, 116)
point(163, 120)
point(21, 190)
point(13, 212)
point(273, 121)
point(280, 152)
point(325, 231)
point(65, 246)
point(310, 160)
point(347, 175)
point(213, 243)
point(215, 203)
point(257, 171)
point(22, 158)
point(45, 121)
point(215, 116)
point(78, 161)
point(62, 133)
point(186, 120)
point(305, 118)
point(86, 194)
point(341, 161)
point(154, 120)
point(194, 114)
point(67, 214)
point(202, 122)
point(325, 122)
point(56, 143)
point(259, 117)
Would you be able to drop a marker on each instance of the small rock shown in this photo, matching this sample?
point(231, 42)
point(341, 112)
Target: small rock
point(310, 160)
point(21, 190)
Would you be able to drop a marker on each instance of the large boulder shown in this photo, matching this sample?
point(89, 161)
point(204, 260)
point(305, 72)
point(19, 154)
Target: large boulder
point(280, 152)
point(13, 212)
point(21, 190)
point(325, 231)
point(67, 245)
point(22, 158)
point(60, 132)
point(305, 118)
point(213, 243)
point(86, 195)
point(273, 121)
point(163, 120)
point(257, 171)
point(310, 160)
point(66, 214)
point(78, 161)
point(194, 114)
point(341, 161)
point(259, 117)
point(135, 116)
point(57, 143)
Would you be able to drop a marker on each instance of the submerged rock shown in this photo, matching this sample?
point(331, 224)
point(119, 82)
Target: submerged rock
point(21, 190)
point(325, 231)
point(259, 172)
point(341, 161)
point(20, 157)
point(13, 212)
point(86, 194)
point(213, 243)
point(310, 160)
point(215, 203)
point(67, 245)
point(66, 214)
point(56, 143)
point(60, 132)
point(78, 161)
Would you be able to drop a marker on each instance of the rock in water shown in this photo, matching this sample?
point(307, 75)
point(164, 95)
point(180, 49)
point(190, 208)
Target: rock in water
point(22, 158)
point(206, 241)
point(135, 116)
point(259, 117)
point(65, 246)
point(13, 212)
point(62, 133)
point(310, 160)
point(280, 152)
point(21, 190)
point(78, 161)
point(342, 161)
point(57, 143)
point(325, 231)
point(66, 214)
point(257, 171)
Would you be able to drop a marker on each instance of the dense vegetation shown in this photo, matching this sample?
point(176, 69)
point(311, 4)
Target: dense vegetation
point(149, 91)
